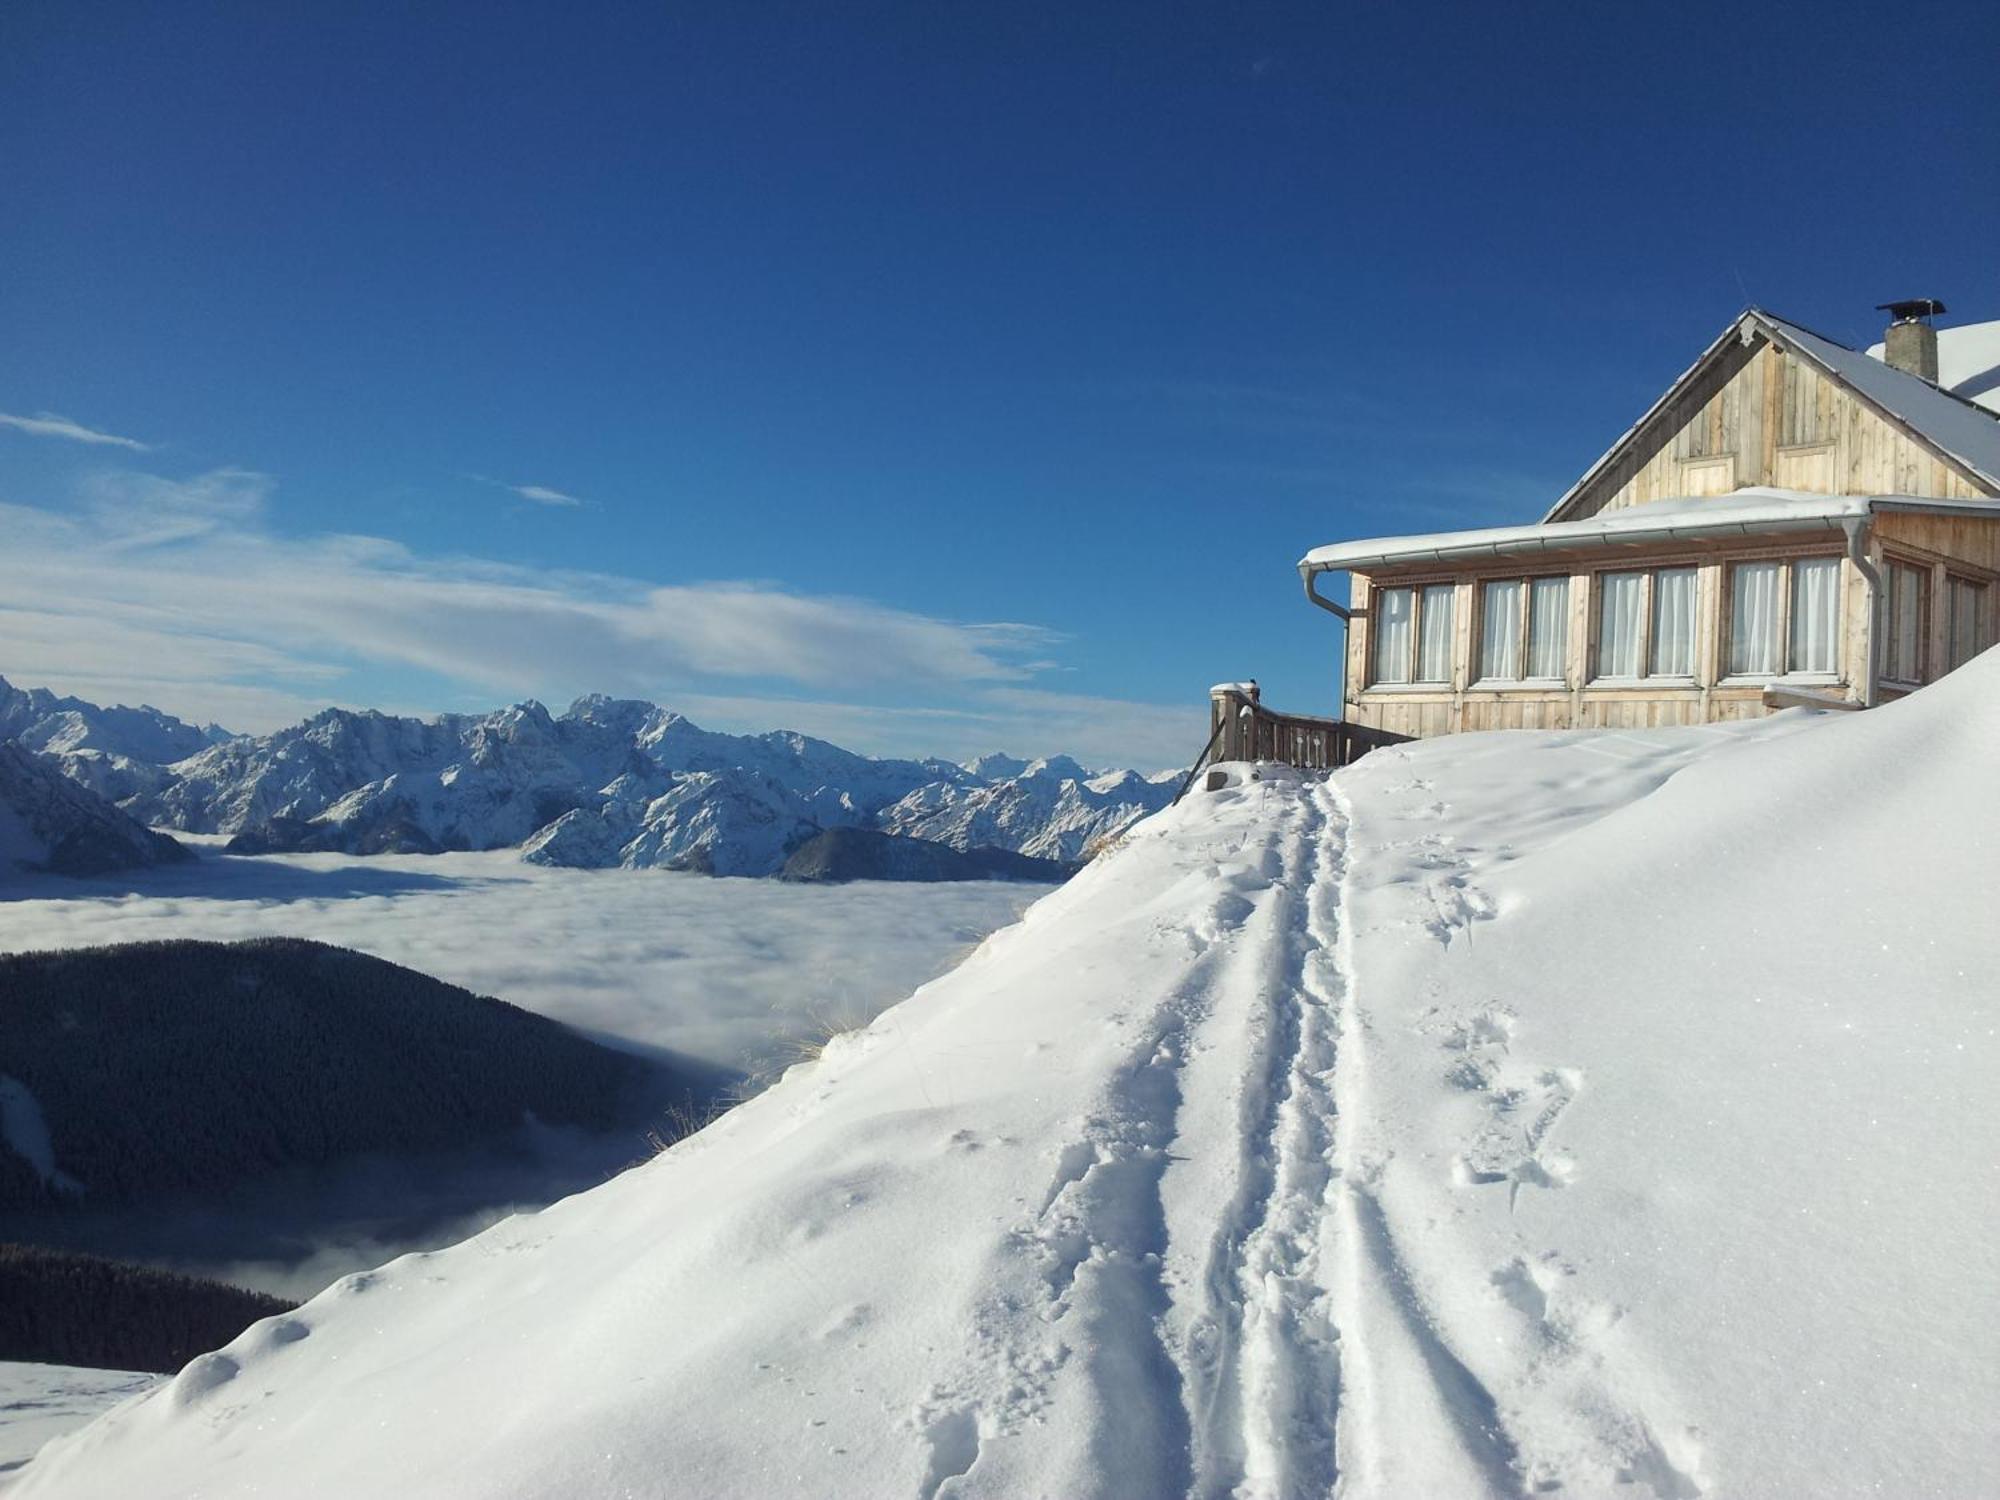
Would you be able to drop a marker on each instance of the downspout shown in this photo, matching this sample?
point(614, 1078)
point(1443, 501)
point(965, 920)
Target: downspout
point(1856, 528)
point(1307, 573)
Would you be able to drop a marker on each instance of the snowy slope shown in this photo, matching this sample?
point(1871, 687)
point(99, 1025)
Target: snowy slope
point(38, 1402)
point(50, 824)
point(1595, 1114)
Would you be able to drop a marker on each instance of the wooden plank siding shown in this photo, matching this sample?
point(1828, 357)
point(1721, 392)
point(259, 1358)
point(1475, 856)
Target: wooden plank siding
point(1761, 416)
point(1966, 546)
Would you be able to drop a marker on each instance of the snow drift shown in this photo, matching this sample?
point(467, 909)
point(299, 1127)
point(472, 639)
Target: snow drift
point(1592, 1114)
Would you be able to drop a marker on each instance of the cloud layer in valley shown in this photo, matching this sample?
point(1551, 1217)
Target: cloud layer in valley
point(737, 975)
point(727, 972)
point(176, 592)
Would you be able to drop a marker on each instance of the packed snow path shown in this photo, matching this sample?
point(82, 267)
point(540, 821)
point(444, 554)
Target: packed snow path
point(1587, 1115)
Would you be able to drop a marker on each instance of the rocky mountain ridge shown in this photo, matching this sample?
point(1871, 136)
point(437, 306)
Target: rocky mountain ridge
point(607, 783)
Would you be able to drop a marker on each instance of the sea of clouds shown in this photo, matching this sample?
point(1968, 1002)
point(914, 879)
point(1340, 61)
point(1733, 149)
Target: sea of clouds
point(731, 973)
point(736, 978)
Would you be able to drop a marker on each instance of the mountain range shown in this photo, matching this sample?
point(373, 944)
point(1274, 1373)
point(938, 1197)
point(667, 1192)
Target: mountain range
point(608, 783)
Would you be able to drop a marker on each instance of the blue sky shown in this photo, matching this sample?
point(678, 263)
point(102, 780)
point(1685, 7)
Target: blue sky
point(936, 378)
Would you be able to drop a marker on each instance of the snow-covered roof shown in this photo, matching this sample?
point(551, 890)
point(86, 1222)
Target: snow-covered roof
point(1968, 362)
point(1751, 512)
point(1968, 433)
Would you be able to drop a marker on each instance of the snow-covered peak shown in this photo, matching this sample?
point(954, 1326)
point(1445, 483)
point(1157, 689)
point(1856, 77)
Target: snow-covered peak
point(1052, 768)
point(628, 717)
point(53, 725)
point(998, 766)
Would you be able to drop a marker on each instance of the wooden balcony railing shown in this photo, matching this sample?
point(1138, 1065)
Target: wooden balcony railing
point(1241, 728)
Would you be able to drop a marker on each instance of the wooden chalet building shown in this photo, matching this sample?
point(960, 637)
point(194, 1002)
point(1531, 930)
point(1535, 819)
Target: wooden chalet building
point(1793, 521)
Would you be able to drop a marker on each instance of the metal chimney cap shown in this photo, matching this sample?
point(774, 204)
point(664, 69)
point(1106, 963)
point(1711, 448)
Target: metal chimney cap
point(1911, 310)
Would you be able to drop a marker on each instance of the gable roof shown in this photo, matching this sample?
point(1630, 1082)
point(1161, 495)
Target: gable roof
point(1966, 435)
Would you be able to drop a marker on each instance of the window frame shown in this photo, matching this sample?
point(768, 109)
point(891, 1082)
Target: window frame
point(1526, 583)
point(1726, 624)
point(1645, 677)
point(1415, 587)
point(1981, 625)
point(1891, 561)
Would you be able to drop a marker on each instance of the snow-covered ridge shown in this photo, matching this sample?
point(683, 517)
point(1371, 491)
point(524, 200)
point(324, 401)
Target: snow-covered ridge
point(1590, 1114)
point(116, 752)
point(610, 782)
point(52, 825)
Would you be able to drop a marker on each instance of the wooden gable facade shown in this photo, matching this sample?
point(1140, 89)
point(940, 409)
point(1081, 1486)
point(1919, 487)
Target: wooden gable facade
point(1860, 600)
point(1759, 413)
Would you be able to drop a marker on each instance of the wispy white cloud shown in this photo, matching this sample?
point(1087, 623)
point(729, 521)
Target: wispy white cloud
point(539, 494)
point(144, 510)
point(49, 424)
point(175, 592)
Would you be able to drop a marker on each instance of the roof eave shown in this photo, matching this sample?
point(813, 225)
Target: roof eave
point(1530, 546)
point(1534, 543)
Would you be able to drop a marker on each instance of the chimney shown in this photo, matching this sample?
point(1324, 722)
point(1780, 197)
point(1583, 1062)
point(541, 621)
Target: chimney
point(1910, 344)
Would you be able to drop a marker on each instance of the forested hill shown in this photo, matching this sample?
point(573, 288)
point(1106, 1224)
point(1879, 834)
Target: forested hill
point(59, 1308)
point(154, 1070)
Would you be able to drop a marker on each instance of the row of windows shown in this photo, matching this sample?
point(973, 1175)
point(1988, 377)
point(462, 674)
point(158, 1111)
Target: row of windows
point(1906, 653)
point(1784, 620)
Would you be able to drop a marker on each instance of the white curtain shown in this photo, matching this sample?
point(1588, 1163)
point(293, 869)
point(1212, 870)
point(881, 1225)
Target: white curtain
point(1392, 635)
point(1500, 632)
point(1903, 661)
point(1621, 599)
point(1816, 615)
point(1673, 622)
point(1548, 626)
point(1753, 619)
point(1434, 649)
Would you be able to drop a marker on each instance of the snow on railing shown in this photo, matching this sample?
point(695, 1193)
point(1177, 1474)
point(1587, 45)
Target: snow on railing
point(1241, 728)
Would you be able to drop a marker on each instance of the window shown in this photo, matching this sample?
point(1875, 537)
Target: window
point(1523, 626)
point(1413, 634)
point(1816, 615)
point(1909, 613)
point(1784, 618)
point(1673, 624)
point(1645, 623)
point(1964, 620)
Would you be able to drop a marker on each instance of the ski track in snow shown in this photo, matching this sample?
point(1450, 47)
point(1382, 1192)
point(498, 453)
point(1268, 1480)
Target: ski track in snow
point(1271, 1293)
